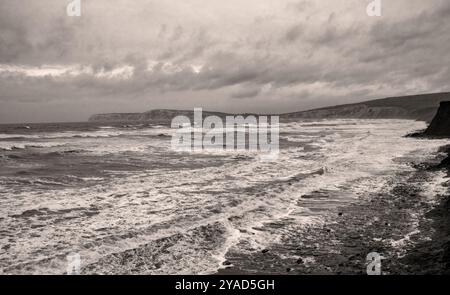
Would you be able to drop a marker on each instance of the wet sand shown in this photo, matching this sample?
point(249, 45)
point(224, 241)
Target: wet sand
point(410, 232)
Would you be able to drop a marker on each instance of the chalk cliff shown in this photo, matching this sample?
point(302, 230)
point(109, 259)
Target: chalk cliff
point(161, 116)
point(416, 107)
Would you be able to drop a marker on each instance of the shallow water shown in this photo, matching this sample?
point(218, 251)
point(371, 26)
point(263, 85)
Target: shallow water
point(119, 196)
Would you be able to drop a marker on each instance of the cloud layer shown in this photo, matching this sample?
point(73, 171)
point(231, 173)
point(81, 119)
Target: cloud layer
point(252, 55)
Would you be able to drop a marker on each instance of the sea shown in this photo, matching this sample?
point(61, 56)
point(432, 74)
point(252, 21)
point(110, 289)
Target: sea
point(125, 201)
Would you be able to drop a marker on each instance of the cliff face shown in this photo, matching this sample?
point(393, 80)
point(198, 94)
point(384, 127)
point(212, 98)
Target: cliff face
point(116, 117)
point(416, 107)
point(360, 111)
point(160, 116)
point(440, 126)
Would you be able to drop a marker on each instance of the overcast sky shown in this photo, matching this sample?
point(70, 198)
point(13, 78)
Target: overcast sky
point(232, 55)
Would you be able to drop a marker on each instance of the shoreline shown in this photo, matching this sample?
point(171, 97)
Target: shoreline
point(433, 256)
point(411, 233)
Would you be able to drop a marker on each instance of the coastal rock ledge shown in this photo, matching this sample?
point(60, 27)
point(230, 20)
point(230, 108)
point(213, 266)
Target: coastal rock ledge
point(440, 125)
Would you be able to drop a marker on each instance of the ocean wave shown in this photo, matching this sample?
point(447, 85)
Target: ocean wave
point(167, 214)
point(31, 180)
point(9, 146)
point(107, 132)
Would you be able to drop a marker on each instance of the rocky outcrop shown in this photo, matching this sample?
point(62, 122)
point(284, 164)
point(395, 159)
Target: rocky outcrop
point(440, 126)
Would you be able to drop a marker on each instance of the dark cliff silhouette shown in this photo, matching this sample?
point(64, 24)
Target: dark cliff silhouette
point(440, 125)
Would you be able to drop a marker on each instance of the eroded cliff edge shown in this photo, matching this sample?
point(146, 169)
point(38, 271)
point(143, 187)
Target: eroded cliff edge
point(440, 125)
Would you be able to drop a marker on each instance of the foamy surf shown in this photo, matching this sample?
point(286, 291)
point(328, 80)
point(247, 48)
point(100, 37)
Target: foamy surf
point(168, 212)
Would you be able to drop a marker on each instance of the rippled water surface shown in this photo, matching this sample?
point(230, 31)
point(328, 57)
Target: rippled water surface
point(107, 191)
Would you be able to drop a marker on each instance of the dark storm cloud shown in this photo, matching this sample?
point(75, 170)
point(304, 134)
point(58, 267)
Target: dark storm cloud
point(246, 93)
point(293, 33)
point(28, 37)
point(300, 53)
point(299, 6)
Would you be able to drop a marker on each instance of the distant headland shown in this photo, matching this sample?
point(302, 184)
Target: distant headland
point(421, 107)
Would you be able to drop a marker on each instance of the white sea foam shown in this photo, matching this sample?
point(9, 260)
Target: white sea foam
point(436, 187)
point(11, 145)
point(238, 195)
point(106, 131)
